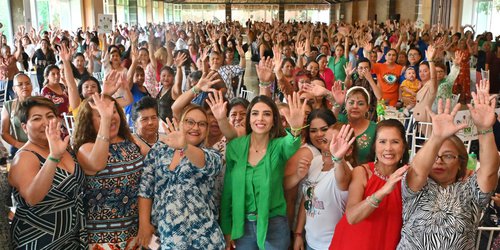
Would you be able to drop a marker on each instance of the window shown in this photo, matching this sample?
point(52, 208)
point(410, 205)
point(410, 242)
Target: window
point(5, 19)
point(64, 14)
point(141, 12)
point(155, 12)
point(243, 12)
point(313, 13)
point(483, 13)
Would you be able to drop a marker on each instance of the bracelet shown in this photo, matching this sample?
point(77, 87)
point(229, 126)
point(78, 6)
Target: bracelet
point(193, 89)
point(375, 199)
point(183, 150)
point(336, 105)
point(336, 160)
point(430, 61)
point(103, 138)
point(264, 84)
point(297, 234)
point(298, 129)
point(53, 159)
point(374, 205)
point(484, 132)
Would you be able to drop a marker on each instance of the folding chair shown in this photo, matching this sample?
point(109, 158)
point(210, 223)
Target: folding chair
point(241, 82)
point(69, 122)
point(490, 231)
point(247, 94)
point(421, 134)
point(99, 76)
point(3, 92)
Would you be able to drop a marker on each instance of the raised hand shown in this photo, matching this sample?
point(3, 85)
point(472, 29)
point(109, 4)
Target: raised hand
point(443, 125)
point(315, 89)
point(338, 93)
point(341, 142)
point(180, 59)
point(208, 80)
point(429, 53)
point(103, 107)
point(217, 104)
point(110, 83)
point(303, 167)
point(64, 53)
point(459, 56)
point(265, 70)
point(56, 145)
point(349, 69)
point(175, 138)
point(297, 111)
point(483, 110)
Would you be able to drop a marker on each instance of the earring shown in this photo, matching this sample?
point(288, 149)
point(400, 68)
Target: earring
point(376, 159)
point(401, 161)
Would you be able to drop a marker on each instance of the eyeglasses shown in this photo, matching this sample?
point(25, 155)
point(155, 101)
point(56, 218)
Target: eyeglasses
point(446, 158)
point(190, 123)
point(412, 55)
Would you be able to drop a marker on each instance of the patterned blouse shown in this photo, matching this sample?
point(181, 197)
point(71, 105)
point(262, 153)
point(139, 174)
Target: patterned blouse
point(183, 210)
point(111, 199)
point(442, 218)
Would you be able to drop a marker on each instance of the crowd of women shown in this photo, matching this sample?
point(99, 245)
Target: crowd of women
point(162, 152)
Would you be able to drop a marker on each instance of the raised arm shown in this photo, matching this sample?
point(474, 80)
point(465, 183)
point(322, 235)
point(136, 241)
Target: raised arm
point(26, 175)
point(218, 106)
point(442, 128)
point(339, 146)
point(73, 95)
point(483, 116)
point(266, 76)
point(179, 74)
point(93, 157)
point(429, 54)
point(204, 85)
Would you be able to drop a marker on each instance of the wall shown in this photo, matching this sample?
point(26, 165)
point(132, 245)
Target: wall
point(362, 10)
point(347, 12)
point(426, 10)
point(407, 9)
point(382, 10)
point(17, 14)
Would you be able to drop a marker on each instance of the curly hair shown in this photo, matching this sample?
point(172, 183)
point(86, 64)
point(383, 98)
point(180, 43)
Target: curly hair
point(84, 128)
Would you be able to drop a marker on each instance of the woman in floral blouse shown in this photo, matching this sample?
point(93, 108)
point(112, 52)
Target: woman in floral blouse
point(177, 185)
point(441, 207)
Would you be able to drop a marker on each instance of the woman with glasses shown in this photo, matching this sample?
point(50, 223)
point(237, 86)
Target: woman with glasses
point(253, 213)
point(177, 185)
point(442, 206)
point(113, 165)
point(325, 189)
point(373, 216)
point(12, 131)
point(414, 58)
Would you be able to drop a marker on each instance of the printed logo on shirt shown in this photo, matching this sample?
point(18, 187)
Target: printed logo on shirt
point(390, 78)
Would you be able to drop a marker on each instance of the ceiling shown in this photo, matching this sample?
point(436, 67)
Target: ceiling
point(255, 1)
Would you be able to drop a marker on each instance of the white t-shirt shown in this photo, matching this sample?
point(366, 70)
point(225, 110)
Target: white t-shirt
point(326, 206)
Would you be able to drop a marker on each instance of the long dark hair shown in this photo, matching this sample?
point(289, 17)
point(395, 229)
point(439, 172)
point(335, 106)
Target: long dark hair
point(324, 114)
point(277, 128)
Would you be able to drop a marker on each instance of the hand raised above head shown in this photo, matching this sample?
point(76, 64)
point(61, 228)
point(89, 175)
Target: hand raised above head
point(443, 125)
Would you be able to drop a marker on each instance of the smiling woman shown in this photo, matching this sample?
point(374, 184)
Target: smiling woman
point(178, 182)
point(253, 185)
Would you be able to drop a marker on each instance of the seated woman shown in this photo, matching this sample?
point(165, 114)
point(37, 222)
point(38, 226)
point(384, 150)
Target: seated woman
point(374, 206)
point(113, 165)
point(441, 206)
point(177, 186)
point(47, 184)
point(12, 131)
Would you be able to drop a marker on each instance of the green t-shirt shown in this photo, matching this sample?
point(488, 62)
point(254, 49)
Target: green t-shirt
point(338, 68)
point(364, 141)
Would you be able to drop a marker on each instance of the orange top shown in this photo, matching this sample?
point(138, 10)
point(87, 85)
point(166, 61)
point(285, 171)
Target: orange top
point(388, 80)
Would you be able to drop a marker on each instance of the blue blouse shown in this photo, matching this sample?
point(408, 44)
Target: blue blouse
point(183, 210)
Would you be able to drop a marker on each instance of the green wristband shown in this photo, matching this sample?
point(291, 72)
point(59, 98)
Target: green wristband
point(53, 159)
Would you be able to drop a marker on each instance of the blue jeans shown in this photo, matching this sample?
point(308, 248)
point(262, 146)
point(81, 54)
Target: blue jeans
point(277, 238)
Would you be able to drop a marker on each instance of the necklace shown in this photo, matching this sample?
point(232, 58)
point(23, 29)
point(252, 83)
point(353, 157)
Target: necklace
point(380, 175)
point(261, 150)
